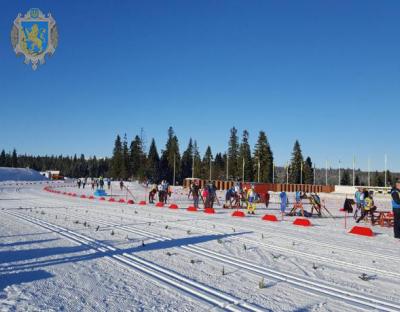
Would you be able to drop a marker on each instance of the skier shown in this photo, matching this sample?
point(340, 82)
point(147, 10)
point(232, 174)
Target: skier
point(396, 208)
point(160, 193)
point(211, 196)
point(152, 194)
point(252, 197)
point(284, 202)
point(229, 196)
point(369, 207)
point(195, 192)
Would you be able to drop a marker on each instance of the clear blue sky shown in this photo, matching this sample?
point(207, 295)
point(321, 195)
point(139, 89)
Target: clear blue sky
point(324, 72)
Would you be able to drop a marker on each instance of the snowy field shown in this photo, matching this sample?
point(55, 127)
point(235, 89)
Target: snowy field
point(65, 253)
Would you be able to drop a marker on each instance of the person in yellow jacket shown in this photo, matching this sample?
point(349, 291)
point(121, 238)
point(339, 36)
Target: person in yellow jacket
point(369, 207)
point(251, 200)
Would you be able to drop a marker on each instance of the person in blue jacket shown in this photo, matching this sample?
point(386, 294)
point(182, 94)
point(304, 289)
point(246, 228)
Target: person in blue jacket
point(284, 199)
point(396, 208)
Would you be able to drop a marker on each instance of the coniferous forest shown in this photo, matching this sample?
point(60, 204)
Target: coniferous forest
point(130, 160)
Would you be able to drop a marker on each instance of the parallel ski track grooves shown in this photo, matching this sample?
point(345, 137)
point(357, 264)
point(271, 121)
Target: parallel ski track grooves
point(168, 277)
point(309, 256)
point(325, 260)
point(282, 233)
point(354, 298)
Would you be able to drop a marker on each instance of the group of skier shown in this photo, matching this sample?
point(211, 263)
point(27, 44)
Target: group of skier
point(208, 195)
point(364, 205)
point(97, 183)
point(163, 189)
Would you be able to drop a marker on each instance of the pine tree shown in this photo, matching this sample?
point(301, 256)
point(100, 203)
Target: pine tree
point(245, 159)
point(170, 158)
point(196, 160)
point(345, 180)
point(137, 158)
point(186, 161)
point(296, 164)
point(117, 161)
point(3, 159)
point(219, 167)
point(233, 154)
point(389, 179)
point(153, 163)
point(378, 179)
point(125, 169)
point(207, 162)
point(308, 171)
point(264, 158)
point(14, 159)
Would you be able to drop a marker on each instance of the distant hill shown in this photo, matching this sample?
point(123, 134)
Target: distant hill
point(20, 174)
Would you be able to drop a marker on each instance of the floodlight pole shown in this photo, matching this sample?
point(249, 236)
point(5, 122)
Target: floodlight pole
point(385, 170)
point(369, 172)
point(174, 169)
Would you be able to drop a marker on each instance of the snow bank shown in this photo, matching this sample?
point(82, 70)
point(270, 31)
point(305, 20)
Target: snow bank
point(20, 174)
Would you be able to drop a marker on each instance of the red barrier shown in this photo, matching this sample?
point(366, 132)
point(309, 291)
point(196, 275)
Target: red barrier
point(209, 210)
point(302, 222)
point(173, 206)
point(102, 198)
point(238, 213)
point(111, 200)
point(121, 200)
point(91, 197)
point(142, 203)
point(160, 204)
point(362, 230)
point(74, 194)
point(83, 196)
point(192, 209)
point(269, 217)
point(130, 202)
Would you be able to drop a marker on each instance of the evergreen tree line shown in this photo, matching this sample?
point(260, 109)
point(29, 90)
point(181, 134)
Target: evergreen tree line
point(240, 162)
point(68, 166)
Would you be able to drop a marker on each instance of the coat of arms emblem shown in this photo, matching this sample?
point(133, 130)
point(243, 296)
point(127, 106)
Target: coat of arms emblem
point(34, 35)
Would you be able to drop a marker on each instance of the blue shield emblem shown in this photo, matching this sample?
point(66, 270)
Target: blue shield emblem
point(35, 36)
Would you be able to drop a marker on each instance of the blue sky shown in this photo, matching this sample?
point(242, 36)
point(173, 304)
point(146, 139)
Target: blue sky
point(324, 72)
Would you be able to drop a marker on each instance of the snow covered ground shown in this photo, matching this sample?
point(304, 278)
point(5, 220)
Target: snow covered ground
point(65, 253)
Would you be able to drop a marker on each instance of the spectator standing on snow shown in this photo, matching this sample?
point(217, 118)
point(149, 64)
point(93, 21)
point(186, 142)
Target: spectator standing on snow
point(93, 183)
point(79, 183)
point(357, 199)
point(396, 208)
point(101, 182)
point(121, 185)
point(109, 183)
point(84, 182)
point(267, 197)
